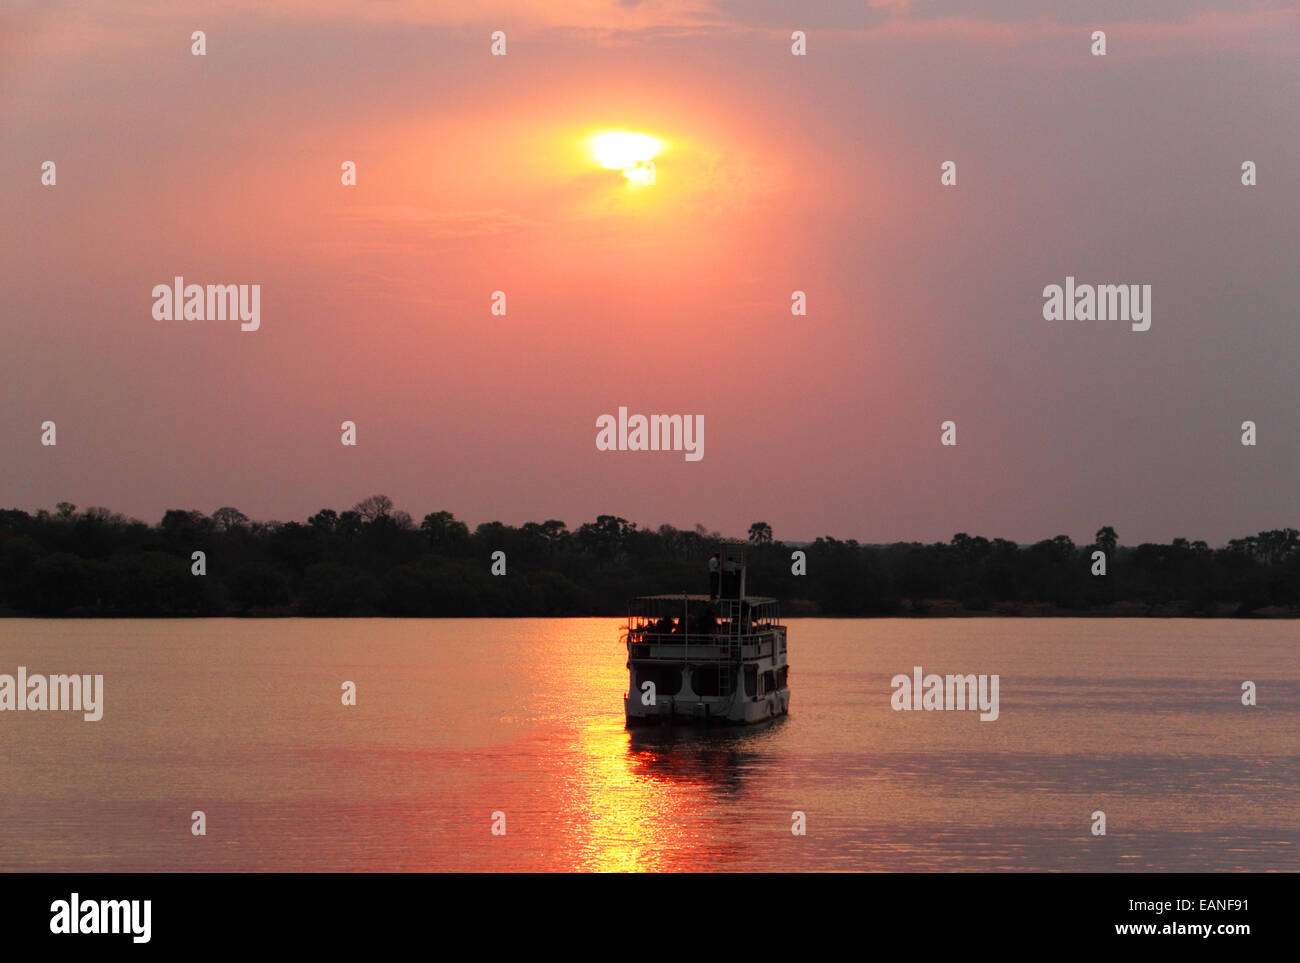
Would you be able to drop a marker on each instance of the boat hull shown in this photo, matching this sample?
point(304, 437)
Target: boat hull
point(707, 710)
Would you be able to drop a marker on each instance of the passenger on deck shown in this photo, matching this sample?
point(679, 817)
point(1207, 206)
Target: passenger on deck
point(715, 576)
point(731, 579)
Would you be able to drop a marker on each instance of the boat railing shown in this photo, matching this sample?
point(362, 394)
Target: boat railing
point(675, 645)
point(720, 637)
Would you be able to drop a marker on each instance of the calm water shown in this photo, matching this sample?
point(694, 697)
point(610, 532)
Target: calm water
point(457, 719)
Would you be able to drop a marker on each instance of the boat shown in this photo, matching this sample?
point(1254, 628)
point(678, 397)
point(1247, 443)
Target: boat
point(715, 659)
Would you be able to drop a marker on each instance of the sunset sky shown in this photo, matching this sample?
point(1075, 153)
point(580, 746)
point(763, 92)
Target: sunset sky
point(776, 173)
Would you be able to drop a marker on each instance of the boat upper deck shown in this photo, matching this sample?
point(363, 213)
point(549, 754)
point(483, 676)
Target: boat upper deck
point(727, 620)
point(667, 626)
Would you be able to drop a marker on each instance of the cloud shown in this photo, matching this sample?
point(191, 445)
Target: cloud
point(819, 15)
point(413, 227)
point(1093, 13)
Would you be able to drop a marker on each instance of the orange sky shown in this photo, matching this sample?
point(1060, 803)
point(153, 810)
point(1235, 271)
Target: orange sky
point(779, 173)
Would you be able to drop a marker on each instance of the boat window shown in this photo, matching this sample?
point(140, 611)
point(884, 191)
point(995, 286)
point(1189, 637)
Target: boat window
point(667, 680)
point(704, 680)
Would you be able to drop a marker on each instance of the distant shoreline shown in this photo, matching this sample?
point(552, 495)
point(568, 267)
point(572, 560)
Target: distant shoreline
point(374, 560)
point(944, 609)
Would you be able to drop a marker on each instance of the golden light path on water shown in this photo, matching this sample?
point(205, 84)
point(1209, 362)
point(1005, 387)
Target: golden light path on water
point(656, 799)
point(460, 719)
point(648, 799)
point(616, 809)
point(619, 804)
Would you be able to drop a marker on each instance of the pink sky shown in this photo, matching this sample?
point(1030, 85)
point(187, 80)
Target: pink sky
point(816, 173)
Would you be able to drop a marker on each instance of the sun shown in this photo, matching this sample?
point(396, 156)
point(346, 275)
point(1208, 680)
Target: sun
point(631, 153)
point(618, 150)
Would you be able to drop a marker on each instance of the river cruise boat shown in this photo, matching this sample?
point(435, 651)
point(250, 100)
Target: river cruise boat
point(712, 659)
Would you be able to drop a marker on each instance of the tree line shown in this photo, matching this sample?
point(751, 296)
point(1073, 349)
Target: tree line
point(376, 560)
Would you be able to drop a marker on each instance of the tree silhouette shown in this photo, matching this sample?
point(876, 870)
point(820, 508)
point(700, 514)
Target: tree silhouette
point(376, 506)
point(226, 519)
point(372, 560)
point(1107, 540)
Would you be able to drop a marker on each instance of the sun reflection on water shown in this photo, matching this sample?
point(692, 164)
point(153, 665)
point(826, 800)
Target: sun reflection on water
point(646, 801)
